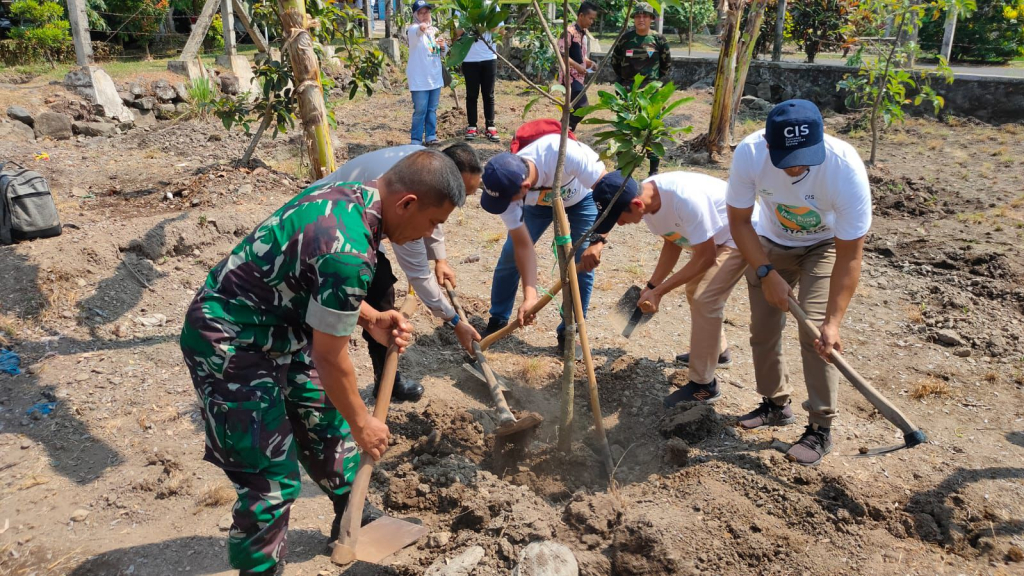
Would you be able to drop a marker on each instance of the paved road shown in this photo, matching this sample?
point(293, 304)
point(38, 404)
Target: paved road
point(1011, 71)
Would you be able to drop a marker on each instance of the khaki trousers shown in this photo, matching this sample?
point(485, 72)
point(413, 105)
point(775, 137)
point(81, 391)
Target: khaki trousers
point(810, 267)
point(707, 295)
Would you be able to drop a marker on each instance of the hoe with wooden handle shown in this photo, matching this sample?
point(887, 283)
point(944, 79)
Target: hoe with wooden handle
point(384, 536)
point(912, 435)
point(507, 422)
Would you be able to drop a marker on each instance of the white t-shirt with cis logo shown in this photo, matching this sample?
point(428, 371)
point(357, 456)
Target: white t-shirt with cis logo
point(582, 169)
point(833, 200)
point(693, 209)
point(423, 70)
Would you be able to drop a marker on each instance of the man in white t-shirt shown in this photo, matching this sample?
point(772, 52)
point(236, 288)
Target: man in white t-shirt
point(815, 209)
point(413, 257)
point(518, 188)
point(688, 211)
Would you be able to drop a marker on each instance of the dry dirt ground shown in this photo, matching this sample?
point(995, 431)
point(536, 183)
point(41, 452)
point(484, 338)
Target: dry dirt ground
point(95, 315)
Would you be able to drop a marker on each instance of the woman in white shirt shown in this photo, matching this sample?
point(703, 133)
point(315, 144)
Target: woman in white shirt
point(480, 69)
point(424, 74)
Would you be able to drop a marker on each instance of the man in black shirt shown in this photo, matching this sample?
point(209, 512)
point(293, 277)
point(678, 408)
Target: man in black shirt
point(578, 61)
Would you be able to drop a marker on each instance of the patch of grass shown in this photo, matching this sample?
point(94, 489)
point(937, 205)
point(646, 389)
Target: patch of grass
point(916, 314)
point(975, 218)
point(1001, 151)
point(201, 95)
point(1012, 129)
point(930, 387)
point(935, 144)
point(216, 495)
point(991, 377)
point(533, 371)
point(493, 239)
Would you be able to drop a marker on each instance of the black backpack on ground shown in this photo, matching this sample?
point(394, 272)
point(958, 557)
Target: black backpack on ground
point(27, 210)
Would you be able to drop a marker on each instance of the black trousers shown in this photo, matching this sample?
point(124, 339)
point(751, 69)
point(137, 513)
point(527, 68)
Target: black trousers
point(576, 88)
point(380, 295)
point(480, 79)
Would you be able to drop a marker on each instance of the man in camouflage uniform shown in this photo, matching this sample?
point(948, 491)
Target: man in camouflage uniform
point(645, 52)
point(266, 342)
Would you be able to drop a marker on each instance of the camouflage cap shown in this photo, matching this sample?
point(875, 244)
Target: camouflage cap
point(643, 8)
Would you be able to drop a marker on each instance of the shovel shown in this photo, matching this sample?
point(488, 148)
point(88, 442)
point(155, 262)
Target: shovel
point(386, 535)
point(507, 422)
point(912, 435)
point(627, 312)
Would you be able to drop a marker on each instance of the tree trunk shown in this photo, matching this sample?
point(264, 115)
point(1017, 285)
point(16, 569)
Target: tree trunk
point(780, 29)
point(267, 118)
point(388, 15)
point(310, 94)
point(947, 36)
point(746, 54)
point(725, 79)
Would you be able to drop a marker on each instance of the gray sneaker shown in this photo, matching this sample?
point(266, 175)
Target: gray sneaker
point(811, 447)
point(767, 414)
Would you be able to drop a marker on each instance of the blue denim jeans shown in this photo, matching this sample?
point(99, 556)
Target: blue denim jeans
point(505, 284)
point(424, 115)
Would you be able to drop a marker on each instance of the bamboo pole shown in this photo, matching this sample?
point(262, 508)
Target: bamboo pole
point(725, 78)
point(310, 94)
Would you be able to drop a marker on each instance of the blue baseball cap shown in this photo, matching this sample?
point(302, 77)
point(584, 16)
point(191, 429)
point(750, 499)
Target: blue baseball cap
point(420, 4)
point(795, 134)
point(503, 178)
point(603, 193)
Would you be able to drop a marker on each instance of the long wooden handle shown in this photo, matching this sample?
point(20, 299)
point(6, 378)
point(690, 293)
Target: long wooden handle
point(887, 409)
point(513, 325)
point(504, 413)
point(344, 552)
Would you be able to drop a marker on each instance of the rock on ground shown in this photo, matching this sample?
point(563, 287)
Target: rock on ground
point(53, 125)
point(16, 132)
point(20, 114)
point(461, 565)
point(677, 452)
point(546, 558)
point(94, 128)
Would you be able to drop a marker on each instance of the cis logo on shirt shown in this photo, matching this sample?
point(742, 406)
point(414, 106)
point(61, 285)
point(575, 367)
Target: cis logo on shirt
point(795, 131)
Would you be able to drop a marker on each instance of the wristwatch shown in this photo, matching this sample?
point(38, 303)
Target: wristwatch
point(763, 270)
point(598, 239)
point(454, 321)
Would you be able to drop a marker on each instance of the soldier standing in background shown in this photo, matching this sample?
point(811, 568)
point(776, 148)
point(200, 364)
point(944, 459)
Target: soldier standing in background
point(645, 52)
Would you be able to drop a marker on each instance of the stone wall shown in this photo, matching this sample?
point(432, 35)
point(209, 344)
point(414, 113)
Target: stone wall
point(995, 99)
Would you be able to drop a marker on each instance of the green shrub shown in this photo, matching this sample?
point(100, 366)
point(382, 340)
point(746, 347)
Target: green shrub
point(45, 36)
point(993, 33)
point(678, 17)
point(214, 41)
point(818, 26)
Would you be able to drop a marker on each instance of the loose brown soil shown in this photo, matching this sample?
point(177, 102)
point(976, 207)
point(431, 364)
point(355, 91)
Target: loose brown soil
point(95, 315)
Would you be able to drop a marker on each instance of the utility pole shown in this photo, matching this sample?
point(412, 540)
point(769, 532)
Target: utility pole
point(947, 36)
point(80, 32)
point(780, 28)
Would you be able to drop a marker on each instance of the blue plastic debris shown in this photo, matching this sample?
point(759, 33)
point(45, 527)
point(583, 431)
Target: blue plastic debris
point(43, 408)
point(9, 362)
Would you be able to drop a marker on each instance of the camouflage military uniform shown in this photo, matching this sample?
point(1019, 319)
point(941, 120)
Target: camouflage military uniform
point(246, 341)
point(648, 56)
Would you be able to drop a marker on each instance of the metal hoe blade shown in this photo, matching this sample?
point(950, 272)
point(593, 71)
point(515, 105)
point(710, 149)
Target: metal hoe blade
point(385, 536)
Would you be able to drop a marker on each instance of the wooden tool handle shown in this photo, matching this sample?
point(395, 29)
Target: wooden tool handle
point(344, 552)
point(513, 325)
point(886, 408)
point(504, 413)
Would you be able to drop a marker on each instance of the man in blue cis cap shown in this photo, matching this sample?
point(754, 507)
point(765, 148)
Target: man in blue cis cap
point(814, 201)
point(518, 188)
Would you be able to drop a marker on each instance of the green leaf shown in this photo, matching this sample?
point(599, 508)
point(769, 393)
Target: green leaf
point(459, 50)
point(529, 105)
